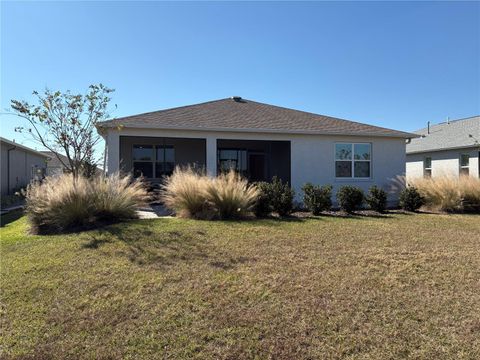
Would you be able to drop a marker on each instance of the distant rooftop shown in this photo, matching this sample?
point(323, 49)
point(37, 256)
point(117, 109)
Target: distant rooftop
point(453, 134)
point(12, 143)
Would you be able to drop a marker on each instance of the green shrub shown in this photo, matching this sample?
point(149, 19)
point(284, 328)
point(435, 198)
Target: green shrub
point(317, 198)
point(262, 206)
point(411, 199)
point(349, 198)
point(377, 199)
point(230, 195)
point(281, 197)
point(61, 204)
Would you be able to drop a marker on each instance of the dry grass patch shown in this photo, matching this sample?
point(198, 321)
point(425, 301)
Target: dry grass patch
point(402, 286)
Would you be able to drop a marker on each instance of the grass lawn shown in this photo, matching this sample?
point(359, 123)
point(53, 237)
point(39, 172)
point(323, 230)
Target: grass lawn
point(401, 286)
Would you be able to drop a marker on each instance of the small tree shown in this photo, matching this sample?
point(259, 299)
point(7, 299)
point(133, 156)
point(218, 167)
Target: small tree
point(66, 122)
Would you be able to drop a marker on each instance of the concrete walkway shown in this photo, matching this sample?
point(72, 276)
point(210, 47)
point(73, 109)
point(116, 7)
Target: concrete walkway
point(154, 211)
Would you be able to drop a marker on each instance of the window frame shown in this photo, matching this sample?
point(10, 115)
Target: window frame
point(427, 171)
point(154, 159)
point(464, 167)
point(353, 160)
point(238, 150)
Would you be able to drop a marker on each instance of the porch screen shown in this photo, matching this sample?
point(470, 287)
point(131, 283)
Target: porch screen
point(232, 159)
point(153, 161)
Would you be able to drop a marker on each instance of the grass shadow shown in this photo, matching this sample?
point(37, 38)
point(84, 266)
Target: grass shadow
point(145, 246)
point(10, 217)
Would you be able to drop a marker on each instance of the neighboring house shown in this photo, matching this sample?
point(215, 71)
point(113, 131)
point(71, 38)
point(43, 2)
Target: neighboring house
point(55, 166)
point(20, 165)
point(451, 147)
point(258, 140)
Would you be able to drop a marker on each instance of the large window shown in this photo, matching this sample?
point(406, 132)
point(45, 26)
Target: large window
point(232, 159)
point(427, 167)
point(150, 160)
point(464, 164)
point(353, 160)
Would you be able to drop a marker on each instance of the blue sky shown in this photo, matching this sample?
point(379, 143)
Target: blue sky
point(392, 64)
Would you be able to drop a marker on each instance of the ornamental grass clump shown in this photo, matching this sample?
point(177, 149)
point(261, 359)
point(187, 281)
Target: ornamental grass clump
point(230, 195)
point(194, 195)
point(449, 193)
point(63, 203)
point(185, 193)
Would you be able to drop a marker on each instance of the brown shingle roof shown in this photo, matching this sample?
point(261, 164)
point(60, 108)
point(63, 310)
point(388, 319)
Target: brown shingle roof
point(246, 115)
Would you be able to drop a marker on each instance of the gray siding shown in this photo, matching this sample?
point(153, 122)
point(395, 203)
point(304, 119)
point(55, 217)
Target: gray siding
point(22, 163)
point(445, 162)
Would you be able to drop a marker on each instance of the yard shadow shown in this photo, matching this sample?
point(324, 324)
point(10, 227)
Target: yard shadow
point(10, 217)
point(160, 249)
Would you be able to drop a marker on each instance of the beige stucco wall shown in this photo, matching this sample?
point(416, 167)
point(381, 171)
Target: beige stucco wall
point(312, 156)
point(21, 164)
point(443, 162)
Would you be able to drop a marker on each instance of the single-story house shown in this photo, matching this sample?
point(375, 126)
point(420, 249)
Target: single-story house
point(448, 148)
point(55, 167)
point(258, 140)
point(20, 165)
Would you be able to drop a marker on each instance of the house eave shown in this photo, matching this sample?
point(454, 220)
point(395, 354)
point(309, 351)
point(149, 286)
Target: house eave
point(107, 127)
point(473, 146)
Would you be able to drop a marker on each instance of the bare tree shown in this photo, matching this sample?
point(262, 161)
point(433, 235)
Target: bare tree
point(66, 122)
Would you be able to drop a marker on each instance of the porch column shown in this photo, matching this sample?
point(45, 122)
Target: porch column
point(113, 152)
point(211, 156)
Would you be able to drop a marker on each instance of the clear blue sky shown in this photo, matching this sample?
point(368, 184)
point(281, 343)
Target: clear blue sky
point(393, 64)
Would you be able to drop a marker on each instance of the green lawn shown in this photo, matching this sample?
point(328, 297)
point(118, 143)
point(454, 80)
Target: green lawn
point(401, 286)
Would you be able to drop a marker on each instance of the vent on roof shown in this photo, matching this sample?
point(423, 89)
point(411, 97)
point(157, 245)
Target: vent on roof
point(236, 98)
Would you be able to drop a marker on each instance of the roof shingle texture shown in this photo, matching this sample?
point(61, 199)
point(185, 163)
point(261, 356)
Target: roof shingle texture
point(228, 114)
point(454, 134)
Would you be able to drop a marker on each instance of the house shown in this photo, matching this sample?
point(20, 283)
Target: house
point(55, 167)
point(20, 165)
point(451, 147)
point(258, 140)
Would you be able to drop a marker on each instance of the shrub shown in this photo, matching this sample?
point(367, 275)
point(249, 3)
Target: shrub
point(450, 193)
point(230, 195)
point(281, 197)
point(184, 192)
point(349, 198)
point(410, 199)
point(60, 203)
point(317, 198)
point(377, 199)
point(262, 206)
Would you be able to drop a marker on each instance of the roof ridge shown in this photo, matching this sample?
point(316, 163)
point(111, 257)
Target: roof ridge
point(457, 120)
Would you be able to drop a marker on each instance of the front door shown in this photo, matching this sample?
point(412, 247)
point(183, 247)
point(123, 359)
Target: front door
point(256, 167)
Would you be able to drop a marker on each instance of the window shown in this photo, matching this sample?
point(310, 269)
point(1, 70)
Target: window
point(464, 164)
point(353, 160)
point(165, 161)
point(153, 159)
point(143, 160)
point(427, 167)
point(232, 159)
